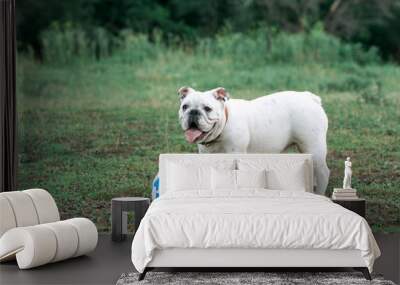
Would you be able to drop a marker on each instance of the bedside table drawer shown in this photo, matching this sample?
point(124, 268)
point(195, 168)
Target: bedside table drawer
point(358, 206)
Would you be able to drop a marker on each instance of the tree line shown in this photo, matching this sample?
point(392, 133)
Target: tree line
point(369, 22)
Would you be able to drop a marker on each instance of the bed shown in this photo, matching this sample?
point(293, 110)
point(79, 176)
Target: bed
point(247, 210)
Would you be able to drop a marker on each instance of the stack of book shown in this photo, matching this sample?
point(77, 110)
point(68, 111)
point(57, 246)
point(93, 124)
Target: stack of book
point(344, 194)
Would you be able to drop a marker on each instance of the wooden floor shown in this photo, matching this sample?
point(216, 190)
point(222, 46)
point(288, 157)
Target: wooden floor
point(110, 260)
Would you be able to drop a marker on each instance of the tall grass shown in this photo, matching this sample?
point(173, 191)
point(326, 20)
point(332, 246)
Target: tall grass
point(268, 46)
point(67, 43)
point(63, 43)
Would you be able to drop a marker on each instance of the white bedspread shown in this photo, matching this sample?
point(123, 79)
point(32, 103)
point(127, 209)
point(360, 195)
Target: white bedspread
point(250, 219)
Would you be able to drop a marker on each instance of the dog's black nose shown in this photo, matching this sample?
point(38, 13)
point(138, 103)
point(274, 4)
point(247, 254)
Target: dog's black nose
point(194, 112)
point(193, 118)
point(193, 125)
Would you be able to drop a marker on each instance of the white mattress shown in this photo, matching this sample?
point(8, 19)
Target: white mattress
point(253, 219)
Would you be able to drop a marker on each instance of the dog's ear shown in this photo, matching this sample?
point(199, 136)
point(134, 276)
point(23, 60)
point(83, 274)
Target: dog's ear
point(221, 94)
point(183, 91)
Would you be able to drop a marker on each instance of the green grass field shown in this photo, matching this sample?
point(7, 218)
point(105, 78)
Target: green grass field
point(93, 130)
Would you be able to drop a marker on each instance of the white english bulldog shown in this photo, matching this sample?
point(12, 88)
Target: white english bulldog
point(269, 124)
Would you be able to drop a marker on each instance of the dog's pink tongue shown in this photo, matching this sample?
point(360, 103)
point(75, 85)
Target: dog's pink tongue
point(192, 134)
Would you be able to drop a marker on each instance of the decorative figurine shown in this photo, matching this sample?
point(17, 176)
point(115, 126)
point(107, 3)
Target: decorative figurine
point(345, 193)
point(347, 174)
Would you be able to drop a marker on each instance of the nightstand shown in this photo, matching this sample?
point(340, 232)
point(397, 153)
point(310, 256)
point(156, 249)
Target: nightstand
point(357, 205)
point(119, 219)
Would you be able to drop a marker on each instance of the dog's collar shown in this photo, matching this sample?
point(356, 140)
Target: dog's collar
point(207, 144)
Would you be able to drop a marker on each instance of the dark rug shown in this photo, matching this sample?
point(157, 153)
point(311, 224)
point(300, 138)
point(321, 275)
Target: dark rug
point(228, 278)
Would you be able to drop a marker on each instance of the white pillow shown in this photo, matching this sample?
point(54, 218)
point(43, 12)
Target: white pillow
point(281, 174)
point(182, 177)
point(223, 179)
point(293, 179)
point(251, 178)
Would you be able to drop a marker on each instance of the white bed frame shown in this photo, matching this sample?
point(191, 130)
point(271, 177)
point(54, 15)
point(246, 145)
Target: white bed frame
point(250, 258)
point(234, 257)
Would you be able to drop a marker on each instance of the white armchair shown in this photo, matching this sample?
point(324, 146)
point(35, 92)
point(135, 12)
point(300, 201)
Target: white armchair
point(31, 230)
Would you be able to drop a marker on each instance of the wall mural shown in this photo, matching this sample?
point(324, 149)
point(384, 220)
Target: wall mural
point(100, 97)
